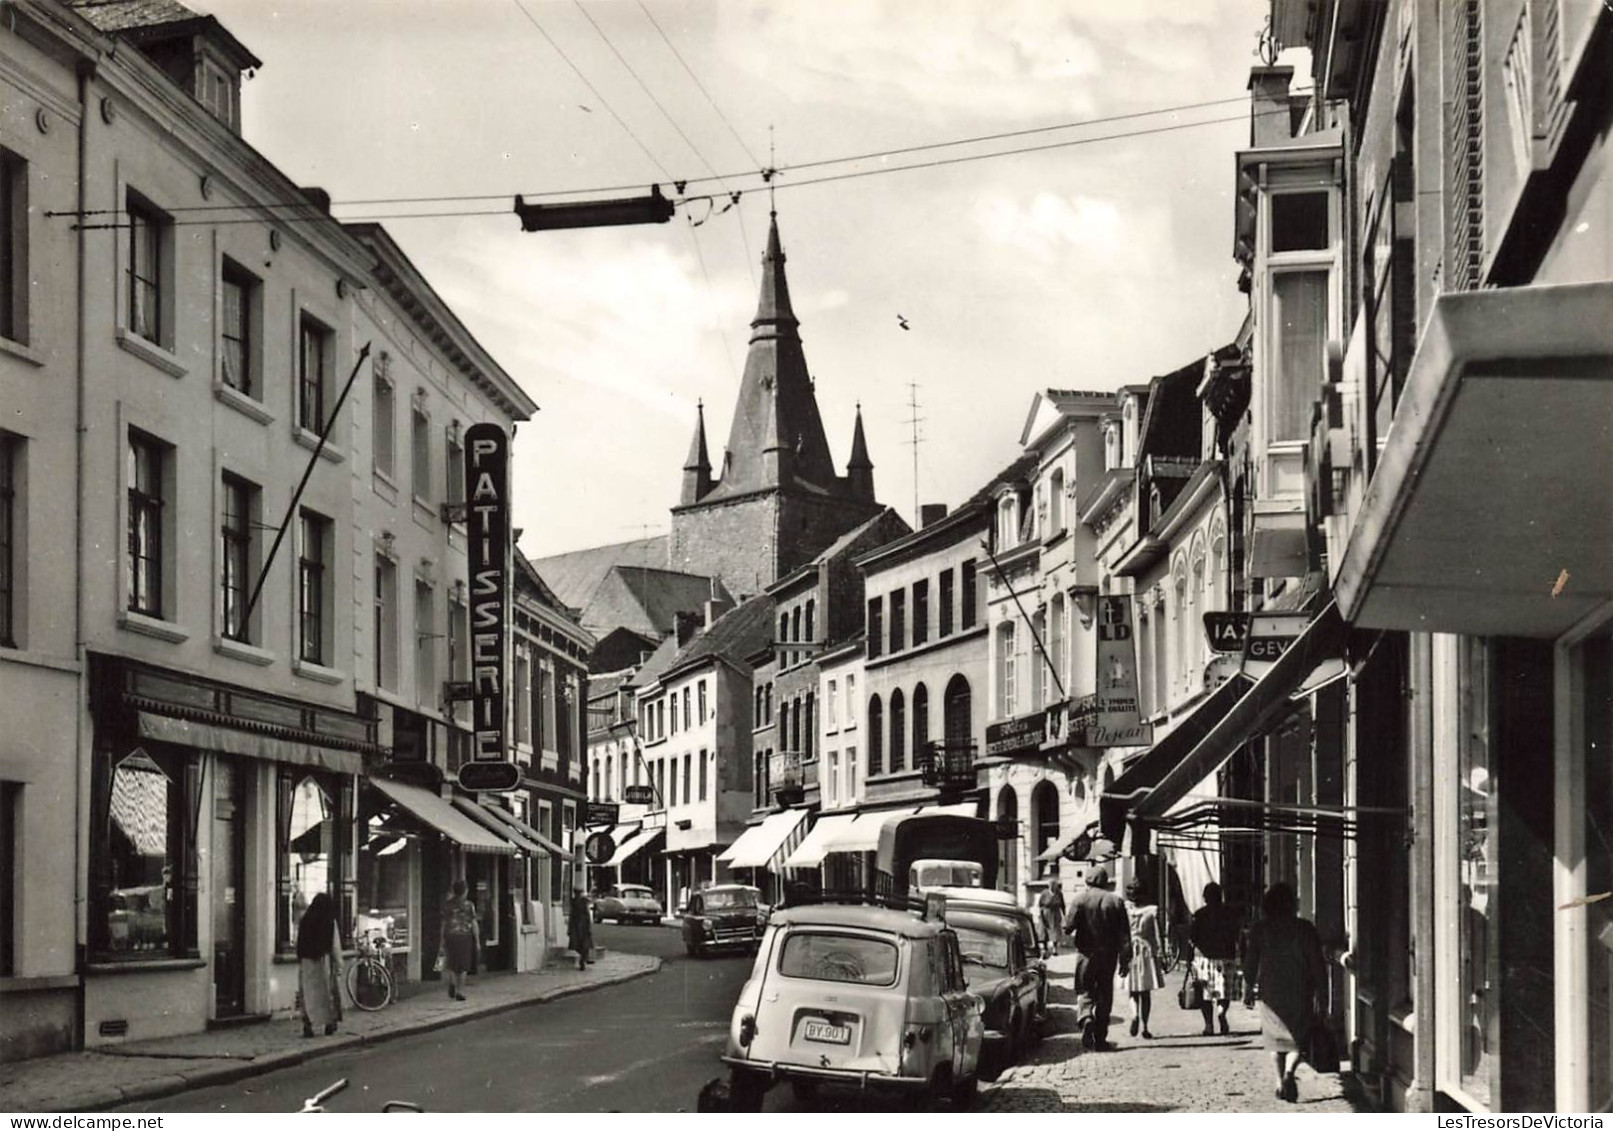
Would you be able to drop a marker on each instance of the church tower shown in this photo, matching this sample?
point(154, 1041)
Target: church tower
point(777, 501)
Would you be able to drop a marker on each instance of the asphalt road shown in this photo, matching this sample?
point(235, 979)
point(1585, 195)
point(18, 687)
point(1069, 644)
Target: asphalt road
point(644, 1045)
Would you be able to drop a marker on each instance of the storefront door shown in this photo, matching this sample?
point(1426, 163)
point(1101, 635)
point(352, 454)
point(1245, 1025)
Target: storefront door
point(229, 888)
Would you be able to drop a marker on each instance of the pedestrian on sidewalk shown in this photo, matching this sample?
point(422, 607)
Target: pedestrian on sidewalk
point(319, 966)
point(1283, 960)
point(1216, 928)
point(461, 936)
point(1145, 975)
point(1101, 933)
point(580, 928)
point(1050, 910)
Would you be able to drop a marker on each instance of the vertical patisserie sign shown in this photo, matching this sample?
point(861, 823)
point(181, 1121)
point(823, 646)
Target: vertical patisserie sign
point(487, 526)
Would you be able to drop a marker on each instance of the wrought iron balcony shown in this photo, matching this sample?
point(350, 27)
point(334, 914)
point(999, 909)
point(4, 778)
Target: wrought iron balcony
point(784, 772)
point(946, 765)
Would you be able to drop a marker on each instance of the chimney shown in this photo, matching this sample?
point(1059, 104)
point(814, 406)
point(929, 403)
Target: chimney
point(686, 626)
point(1270, 118)
point(715, 608)
point(318, 197)
point(930, 514)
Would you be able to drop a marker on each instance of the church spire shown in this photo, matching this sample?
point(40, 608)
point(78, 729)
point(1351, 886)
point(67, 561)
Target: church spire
point(859, 468)
point(697, 468)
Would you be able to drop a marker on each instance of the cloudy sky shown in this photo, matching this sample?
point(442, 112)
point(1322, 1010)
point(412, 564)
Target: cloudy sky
point(1087, 265)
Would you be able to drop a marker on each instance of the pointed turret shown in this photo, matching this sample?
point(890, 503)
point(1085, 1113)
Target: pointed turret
point(859, 468)
point(697, 468)
point(777, 436)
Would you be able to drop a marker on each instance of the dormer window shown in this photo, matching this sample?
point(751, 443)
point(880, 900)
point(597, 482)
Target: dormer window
point(219, 94)
point(1007, 522)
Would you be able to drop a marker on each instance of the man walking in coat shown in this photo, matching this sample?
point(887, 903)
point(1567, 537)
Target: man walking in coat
point(1098, 926)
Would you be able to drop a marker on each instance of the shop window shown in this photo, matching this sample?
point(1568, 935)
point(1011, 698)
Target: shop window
point(145, 905)
point(383, 879)
point(309, 852)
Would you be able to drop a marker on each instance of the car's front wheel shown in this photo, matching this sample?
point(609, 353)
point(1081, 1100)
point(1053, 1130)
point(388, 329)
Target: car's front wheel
point(745, 1091)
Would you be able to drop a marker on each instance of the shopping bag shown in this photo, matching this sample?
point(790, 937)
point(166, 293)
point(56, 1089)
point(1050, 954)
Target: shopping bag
point(1191, 996)
point(1321, 1050)
point(442, 961)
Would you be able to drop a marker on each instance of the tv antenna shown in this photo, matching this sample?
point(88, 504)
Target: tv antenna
point(913, 421)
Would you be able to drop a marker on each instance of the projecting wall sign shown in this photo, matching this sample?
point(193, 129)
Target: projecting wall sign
point(487, 480)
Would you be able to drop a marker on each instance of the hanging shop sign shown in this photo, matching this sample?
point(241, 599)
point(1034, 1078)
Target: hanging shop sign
point(639, 795)
point(1227, 632)
point(487, 502)
point(1115, 718)
point(1271, 634)
point(601, 813)
point(599, 848)
point(1011, 736)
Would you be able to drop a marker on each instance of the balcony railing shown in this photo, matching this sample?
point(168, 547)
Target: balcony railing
point(946, 765)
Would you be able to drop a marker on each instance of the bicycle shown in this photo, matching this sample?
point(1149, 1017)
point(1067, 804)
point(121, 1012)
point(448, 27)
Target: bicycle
point(315, 1104)
point(369, 979)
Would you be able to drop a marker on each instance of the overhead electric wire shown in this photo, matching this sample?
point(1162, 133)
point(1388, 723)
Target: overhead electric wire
point(755, 160)
point(602, 101)
point(828, 179)
point(759, 171)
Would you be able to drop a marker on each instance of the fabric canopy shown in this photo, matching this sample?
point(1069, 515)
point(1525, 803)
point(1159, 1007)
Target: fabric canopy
point(811, 851)
point(961, 809)
point(758, 844)
point(1261, 707)
point(483, 816)
point(438, 814)
point(862, 835)
point(505, 817)
point(633, 845)
point(246, 744)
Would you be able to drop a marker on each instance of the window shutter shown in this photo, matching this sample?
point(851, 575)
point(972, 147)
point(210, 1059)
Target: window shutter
point(1464, 154)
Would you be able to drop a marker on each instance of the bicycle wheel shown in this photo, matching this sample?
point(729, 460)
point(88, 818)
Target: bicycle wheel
point(369, 984)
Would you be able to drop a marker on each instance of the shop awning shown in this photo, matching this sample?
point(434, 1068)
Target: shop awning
point(960, 809)
point(438, 814)
point(1146, 772)
point(633, 845)
point(246, 744)
point(862, 835)
point(758, 844)
point(483, 816)
point(1489, 512)
point(1261, 707)
point(811, 851)
point(515, 823)
point(1099, 847)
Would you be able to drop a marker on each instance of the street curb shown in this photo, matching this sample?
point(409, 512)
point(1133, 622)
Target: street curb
point(107, 1096)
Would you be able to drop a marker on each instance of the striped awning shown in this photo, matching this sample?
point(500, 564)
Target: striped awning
point(759, 844)
point(432, 811)
point(811, 851)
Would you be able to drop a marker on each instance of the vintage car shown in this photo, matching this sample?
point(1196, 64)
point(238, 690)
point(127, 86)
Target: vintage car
point(989, 901)
point(627, 903)
point(723, 916)
point(1000, 970)
point(853, 995)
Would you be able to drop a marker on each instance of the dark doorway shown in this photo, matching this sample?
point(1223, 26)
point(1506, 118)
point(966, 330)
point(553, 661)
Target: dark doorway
point(229, 889)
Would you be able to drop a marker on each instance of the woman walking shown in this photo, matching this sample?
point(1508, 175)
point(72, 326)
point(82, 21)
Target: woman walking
point(1145, 975)
point(1051, 910)
point(319, 966)
point(580, 928)
point(1215, 956)
point(1283, 959)
point(461, 935)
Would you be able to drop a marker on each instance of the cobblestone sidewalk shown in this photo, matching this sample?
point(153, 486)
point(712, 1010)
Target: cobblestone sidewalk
point(88, 1081)
point(1179, 1070)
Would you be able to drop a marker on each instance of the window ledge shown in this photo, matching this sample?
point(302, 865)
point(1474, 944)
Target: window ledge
point(240, 650)
point(37, 983)
point(310, 440)
point(151, 353)
point(319, 673)
point(152, 626)
point(20, 350)
point(242, 403)
point(425, 514)
point(384, 485)
point(144, 966)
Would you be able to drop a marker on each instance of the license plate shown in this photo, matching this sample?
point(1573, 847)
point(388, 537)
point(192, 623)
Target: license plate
point(827, 1033)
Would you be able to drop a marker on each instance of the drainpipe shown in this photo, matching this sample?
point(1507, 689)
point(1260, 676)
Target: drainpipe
point(84, 743)
point(1421, 706)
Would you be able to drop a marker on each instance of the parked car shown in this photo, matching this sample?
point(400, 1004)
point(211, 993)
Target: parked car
point(1000, 904)
point(999, 968)
point(854, 995)
point(723, 916)
point(627, 903)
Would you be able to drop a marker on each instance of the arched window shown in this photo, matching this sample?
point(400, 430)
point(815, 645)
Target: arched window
point(1007, 524)
point(809, 728)
point(784, 726)
point(876, 742)
point(1055, 502)
point(1183, 618)
point(957, 715)
point(921, 722)
point(596, 778)
point(1008, 849)
point(609, 784)
point(898, 731)
point(1045, 819)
